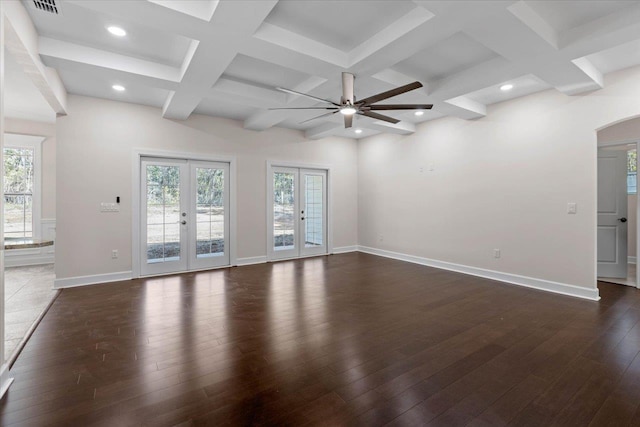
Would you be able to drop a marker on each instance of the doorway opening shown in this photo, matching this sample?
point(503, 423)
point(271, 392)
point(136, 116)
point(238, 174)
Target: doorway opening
point(297, 224)
point(617, 216)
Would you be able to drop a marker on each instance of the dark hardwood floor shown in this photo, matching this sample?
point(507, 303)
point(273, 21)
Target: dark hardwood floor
point(349, 339)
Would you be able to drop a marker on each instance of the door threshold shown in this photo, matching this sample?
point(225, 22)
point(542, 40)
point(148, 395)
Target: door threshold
point(174, 273)
point(298, 257)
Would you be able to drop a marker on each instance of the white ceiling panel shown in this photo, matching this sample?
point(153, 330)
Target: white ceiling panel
point(459, 50)
point(339, 24)
point(522, 86)
point(445, 58)
point(83, 26)
point(563, 15)
point(263, 73)
point(99, 85)
point(229, 110)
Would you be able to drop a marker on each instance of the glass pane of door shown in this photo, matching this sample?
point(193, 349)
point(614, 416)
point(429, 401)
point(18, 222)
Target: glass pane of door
point(163, 213)
point(210, 212)
point(209, 232)
point(284, 224)
point(163, 230)
point(313, 211)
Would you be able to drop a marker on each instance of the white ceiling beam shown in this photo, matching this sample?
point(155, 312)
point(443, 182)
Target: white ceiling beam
point(401, 128)
point(395, 31)
point(51, 48)
point(201, 9)
point(213, 55)
point(324, 130)
point(508, 36)
point(464, 108)
point(295, 42)
point(269, 118)
point(530, 18)
point(21, 39)
point(246, 94)
point(589, 69)
point(302, 61)
point(489, 73)
point(609, 31)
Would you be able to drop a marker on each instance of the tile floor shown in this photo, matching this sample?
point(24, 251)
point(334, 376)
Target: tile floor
point(28, 291)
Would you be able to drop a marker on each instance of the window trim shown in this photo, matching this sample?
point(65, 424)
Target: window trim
point(34, 142)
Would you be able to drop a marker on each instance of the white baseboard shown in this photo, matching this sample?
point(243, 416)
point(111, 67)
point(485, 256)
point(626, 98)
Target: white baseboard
point(631, 260)
point(23, 257)
point(5, 380)
point(71, 282)
point(345, 249)
point(251, 260)
point(529, 282)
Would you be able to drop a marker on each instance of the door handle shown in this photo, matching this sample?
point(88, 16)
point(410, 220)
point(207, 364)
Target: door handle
point(183, 222)
point(622, 219)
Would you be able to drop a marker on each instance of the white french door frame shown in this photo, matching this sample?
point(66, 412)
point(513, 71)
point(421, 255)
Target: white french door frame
point(614, 144)
point(269, 206)
point(137, 156)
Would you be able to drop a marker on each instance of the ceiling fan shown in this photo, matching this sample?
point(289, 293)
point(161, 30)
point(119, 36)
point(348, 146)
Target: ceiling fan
point(348, 105)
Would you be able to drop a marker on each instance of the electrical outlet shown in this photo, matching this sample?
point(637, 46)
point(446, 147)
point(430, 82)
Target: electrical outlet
point(380, 238)
point(496, 253)
point(114, 254)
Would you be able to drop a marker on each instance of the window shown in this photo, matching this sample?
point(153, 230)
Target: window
point(21, 187)
point(632, 172)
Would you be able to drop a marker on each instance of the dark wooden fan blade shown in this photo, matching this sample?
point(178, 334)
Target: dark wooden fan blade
point(281, 89)
point(305, 108)
point(348, 121)
point(379, 117)
point(390, 93)
point(400, 107)
point(317, 117)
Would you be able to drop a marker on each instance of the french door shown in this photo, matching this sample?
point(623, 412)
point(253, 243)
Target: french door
point(185, 215)
point(298, 212)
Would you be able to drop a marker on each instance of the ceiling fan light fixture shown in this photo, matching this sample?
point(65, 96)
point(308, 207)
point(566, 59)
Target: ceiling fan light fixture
point(348, 110)
point(116, 31)
point(419, 113)
point(506, 87)
point(118, 88)
point(358, 131)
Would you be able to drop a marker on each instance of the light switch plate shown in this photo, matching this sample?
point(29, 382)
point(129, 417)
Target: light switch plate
point(572, 208)
point(109, 207)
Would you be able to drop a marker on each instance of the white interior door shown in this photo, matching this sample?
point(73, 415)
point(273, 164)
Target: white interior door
point(612, 213)
point(185, 215)
point(297, 212)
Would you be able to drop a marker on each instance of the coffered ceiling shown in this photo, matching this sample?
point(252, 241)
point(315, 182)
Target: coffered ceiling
point(225, 58)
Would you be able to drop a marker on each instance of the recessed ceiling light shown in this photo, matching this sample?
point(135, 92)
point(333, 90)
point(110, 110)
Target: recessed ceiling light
point(358, 130)
point(117, 31)
point(119, 88)
point(506, 87)
point(419, 113)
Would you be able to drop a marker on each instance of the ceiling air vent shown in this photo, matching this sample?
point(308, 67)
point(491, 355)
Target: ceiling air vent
point(46, 6)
